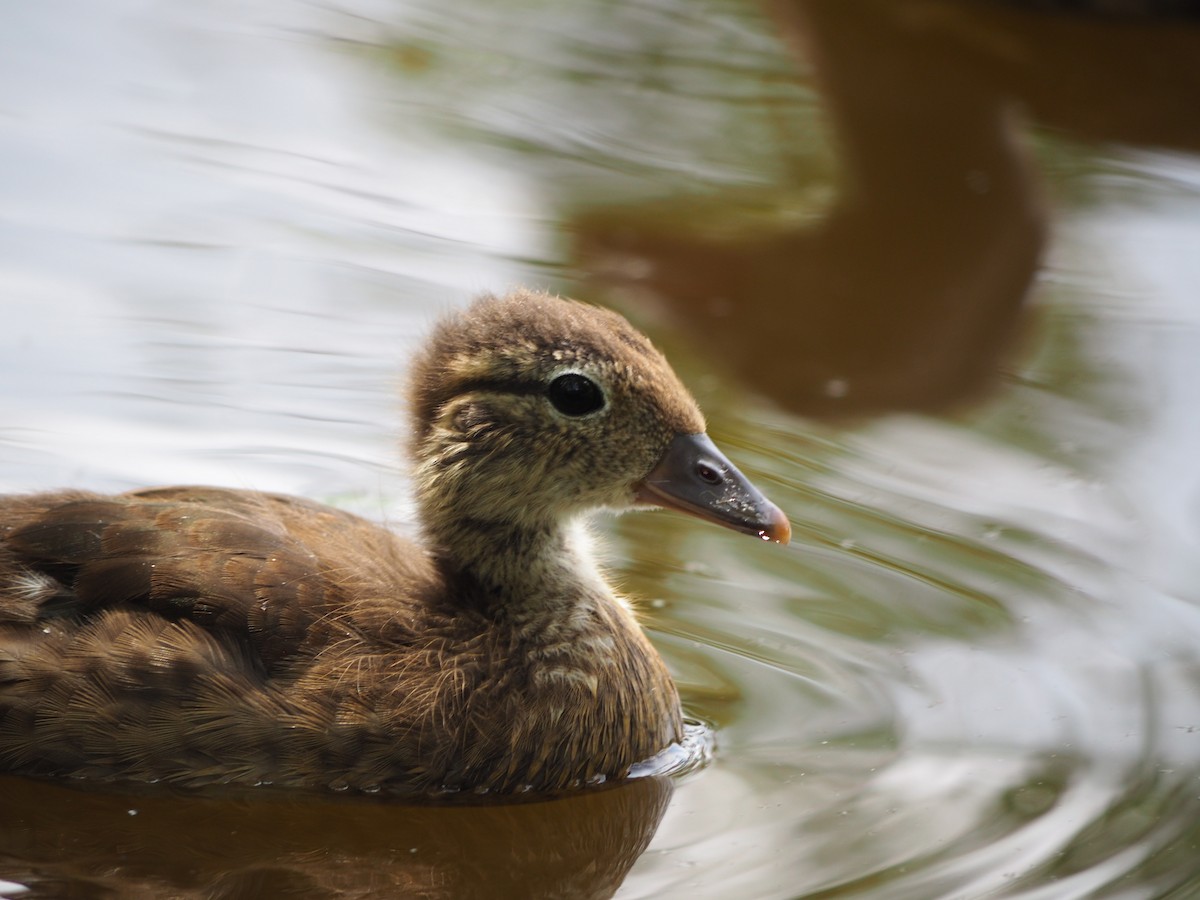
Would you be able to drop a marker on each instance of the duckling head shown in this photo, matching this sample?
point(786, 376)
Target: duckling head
point(529, 410)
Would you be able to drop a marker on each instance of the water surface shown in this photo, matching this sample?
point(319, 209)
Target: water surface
point(931, 270)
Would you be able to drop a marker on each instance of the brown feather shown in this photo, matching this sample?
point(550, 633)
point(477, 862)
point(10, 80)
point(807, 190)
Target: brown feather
point(198, 635)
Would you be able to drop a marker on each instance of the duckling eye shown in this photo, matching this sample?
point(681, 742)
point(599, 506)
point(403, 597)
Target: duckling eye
point(575, 395)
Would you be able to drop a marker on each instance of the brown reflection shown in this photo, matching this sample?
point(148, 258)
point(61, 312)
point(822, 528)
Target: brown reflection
point(64, 842)
point(910, 292)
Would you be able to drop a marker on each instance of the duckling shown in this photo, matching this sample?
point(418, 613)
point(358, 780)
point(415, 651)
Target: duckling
point(199, 635)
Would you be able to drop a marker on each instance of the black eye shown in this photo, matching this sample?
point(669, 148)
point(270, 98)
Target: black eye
point(575, 395)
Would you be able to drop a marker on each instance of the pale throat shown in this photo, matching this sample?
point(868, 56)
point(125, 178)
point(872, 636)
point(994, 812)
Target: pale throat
point(547, 568)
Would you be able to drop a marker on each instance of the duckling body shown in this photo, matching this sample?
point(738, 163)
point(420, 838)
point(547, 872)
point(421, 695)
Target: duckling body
point(199, 635)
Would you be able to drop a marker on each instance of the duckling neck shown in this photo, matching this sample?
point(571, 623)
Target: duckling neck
point(519, 569)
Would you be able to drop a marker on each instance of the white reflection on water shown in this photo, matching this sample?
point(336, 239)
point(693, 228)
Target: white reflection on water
point(207, 232)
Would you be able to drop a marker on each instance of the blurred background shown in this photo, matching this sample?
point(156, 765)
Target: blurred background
point(932, 268)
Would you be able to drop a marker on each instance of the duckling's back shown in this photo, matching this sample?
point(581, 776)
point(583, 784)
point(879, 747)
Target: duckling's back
point(163, 633)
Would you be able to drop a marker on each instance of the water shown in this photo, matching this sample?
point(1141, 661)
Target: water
point(930, 268)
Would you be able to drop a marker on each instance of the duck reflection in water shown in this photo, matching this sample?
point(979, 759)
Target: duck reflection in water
point(245, 845)
point(200, 635)
point(910, 292)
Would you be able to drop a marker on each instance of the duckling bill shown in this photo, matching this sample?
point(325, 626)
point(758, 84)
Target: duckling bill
point(200, 635)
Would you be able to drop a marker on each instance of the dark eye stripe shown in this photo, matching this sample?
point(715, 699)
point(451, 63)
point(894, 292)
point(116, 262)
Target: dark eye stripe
point(500, 386)
point(575, 406)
